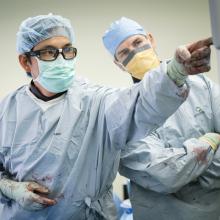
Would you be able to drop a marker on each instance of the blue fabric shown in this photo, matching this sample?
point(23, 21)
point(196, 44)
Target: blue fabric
point(73, 147)
point(168, 181)
point(36, 29)
point(119, 31)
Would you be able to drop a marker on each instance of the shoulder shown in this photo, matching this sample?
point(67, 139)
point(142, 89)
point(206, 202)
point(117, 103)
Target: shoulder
point(10, 100)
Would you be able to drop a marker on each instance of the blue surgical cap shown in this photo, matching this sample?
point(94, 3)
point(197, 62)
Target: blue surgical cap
point(119, 31)
point(33, 30)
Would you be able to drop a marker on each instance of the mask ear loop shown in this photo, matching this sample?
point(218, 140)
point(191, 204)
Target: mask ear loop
point(120, 65)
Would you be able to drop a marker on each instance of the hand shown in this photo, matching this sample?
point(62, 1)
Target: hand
point(189, 60)
point(29, 195)
point(195, 57)
point(213, 139)
point(201, 154)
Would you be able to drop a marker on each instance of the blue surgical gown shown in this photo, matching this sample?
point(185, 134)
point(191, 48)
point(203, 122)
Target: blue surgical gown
point(73, 147)
point(168, 180)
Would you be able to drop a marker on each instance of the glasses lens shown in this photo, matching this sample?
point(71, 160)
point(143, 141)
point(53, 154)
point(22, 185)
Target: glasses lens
point(48, 54)
point(69, 53)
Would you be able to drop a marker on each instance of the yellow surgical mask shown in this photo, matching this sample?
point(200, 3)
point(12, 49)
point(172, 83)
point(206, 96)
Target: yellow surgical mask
point(140, 61)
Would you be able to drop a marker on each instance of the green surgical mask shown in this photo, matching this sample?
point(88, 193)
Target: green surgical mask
point(56, 76)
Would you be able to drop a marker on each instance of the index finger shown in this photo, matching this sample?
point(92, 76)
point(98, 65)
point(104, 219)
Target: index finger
point(201, 43)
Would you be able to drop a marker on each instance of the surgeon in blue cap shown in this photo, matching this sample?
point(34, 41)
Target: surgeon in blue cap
point(61, 137)
point(174, 171)
point(142, 56)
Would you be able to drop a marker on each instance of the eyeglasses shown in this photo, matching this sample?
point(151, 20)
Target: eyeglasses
point(51, 54)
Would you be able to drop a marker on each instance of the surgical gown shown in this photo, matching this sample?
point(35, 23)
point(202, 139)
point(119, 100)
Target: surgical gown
point(168, 180)
point(73, 147)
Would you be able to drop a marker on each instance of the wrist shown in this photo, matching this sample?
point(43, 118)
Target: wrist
point(212, 139)
point(176, 72)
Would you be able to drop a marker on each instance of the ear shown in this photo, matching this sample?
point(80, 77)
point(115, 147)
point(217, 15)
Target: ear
point(152, 40)
point(119, 65)
point(23, 60)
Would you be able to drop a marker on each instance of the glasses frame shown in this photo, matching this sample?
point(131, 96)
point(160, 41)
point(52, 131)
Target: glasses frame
point(36, 53)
